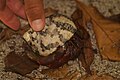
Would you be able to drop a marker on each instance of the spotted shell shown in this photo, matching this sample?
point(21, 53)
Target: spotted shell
point(57, 31)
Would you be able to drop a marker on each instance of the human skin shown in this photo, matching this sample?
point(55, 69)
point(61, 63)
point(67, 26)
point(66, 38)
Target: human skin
point(32, 10)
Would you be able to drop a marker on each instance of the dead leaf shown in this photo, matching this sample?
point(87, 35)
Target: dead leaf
point(63, 73)
point(87, 56)
point(94, 76)
point(20, 63)
point(107, 32)
point(115, 18)
point(50, 11)
point(6, 33)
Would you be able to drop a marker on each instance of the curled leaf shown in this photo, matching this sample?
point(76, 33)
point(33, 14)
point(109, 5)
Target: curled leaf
point(107, 32)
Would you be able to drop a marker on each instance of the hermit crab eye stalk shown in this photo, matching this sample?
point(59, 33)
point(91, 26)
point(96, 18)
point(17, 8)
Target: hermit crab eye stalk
point(57, 31)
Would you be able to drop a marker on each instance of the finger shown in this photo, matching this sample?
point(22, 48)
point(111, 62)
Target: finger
point(2, 4)
point(22, 1)
point(35, 13)
point(8, 18)
point(17, 7)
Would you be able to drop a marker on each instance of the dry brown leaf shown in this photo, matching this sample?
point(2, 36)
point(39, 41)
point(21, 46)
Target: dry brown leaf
point(49, 11)
point(20, 62)
point(115, 18)
point(94, 76)
point(63, 73)
point(87, 56)
point(107, 32)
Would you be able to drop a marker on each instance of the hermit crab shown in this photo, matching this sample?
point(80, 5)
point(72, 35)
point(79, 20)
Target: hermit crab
point(60, 41)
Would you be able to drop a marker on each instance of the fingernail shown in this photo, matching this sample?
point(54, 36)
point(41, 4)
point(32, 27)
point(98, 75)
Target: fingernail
point(37, 25)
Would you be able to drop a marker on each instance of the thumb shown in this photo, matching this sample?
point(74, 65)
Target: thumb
point(35, 13)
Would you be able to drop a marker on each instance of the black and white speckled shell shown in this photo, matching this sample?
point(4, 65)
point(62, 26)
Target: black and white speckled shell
point(57, 31)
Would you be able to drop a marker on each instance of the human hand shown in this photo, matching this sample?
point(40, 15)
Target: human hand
point(10, 9)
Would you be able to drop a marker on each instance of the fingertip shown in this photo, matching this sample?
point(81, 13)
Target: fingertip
point(35, 13)
point(37, 24)
point(15, 26)
point(13, 23)
point(9, 19)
